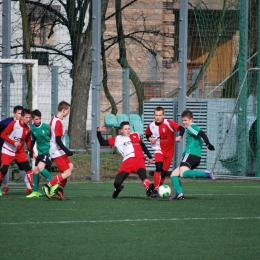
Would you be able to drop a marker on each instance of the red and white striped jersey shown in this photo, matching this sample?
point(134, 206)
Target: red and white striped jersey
point(57, 129)
point(128, 146)
point(164, 134)
point(16, 131)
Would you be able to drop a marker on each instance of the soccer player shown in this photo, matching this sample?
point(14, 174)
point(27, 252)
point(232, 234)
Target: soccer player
point(15, 135)
point(191, 155)
point(3, 124)
point(160, 133)
point(131, 148)
point(40, 134)
point(59, 153)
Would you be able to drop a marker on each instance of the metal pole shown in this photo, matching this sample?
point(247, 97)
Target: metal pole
point(258, 96)
point(242, 102)
point(54, 90)
point(96, 48)
point(182, 86)
point(6, 53)
point(125, 94)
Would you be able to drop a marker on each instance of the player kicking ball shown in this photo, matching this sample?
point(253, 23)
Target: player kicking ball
point(131, 147)
point(40, 134)
point(191, 155)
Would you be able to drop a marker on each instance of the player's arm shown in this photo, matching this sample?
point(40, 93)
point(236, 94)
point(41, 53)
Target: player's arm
point(181, 130)
point(62, 146)
point(145, 150)
point(102, 141)
point(206, 140)
point(33, 141)
point(5, 134)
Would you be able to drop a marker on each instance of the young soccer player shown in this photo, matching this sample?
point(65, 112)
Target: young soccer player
point(161, 135)
point(40, 134)
point(3, 124)
point(15, 135)
point(191, 155)
point(131, 148)
point(59, 153)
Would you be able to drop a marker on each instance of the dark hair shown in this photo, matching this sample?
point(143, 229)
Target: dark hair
point(159, 109)
point(187, 113)
point(16, 108)
point(26, 111)
point(36, 112)
point(63, 105)
point(123, 124)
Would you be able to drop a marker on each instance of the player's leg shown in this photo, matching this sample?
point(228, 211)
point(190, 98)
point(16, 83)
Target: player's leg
point(5, 187)
point(167, 161)
point(25, 165)
point(118, 183)
point(157, 174)
point(44, 160)
point(24, 177)
point(194, 162)
point(145, 181)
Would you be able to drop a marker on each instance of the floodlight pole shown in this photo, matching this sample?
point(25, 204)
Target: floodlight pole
point(258, 96)
point(182, 84)
point(96, 51)
point(6, 54)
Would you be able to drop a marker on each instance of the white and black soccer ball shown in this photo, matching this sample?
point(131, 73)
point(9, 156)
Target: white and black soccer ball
point(164, 191)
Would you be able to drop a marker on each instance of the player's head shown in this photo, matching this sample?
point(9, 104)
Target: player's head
point(17, 112)
point(159, 114)
point(26, 115)
point(125, 128)
point(187, 118)
point(64, 108)
point(36, 117)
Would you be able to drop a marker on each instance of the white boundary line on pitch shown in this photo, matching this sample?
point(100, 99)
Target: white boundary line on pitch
point(125, 220)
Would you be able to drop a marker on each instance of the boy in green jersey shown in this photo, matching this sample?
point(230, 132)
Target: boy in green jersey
point(191, 155)
point(40, 133)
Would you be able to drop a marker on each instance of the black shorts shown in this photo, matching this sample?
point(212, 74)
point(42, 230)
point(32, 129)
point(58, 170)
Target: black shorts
point(191, 161)
point(46, 158)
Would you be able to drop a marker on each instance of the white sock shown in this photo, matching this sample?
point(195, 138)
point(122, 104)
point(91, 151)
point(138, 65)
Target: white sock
point(6, 179)
point(23, 174)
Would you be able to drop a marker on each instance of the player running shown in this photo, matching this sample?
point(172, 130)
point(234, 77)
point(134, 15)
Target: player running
point(161, 135)
point(191, 155)
point(3, 124)
point(59, 153)
point(40, 134)
point(131, 148)
point(15, 135)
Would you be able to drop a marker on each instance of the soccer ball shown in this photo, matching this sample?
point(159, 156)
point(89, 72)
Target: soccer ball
point(164, 191)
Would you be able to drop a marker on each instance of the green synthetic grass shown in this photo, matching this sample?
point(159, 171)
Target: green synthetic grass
point(218, 220)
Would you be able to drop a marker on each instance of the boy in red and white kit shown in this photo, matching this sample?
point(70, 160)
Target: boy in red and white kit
point(131, 147)
point(161, 135)
point(15, 135)
point(59, 153)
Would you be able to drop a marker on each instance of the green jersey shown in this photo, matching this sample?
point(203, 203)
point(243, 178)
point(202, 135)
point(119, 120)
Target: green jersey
point(41, 134)
point(193, 141)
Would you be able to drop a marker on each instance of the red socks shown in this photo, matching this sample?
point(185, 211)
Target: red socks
point(56, 179)
point(146, 183)
point(157, 180)
point(29, 176)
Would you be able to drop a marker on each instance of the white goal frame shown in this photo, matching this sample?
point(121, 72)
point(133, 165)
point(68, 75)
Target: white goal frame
point(35, 75)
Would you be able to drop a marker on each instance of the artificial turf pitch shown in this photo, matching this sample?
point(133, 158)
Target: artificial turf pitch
point(218, 220)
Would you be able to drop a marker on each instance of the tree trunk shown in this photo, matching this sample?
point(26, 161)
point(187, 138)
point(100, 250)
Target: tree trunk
point(26, 43)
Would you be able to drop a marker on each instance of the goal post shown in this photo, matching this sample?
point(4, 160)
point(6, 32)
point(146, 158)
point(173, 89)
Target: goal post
point(35, 75)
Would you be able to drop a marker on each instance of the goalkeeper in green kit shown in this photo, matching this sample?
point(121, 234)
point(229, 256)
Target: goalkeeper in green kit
point(40, 133)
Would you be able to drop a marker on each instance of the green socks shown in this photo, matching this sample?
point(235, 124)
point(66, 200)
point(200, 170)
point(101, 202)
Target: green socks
point(176, 182)
point(46, 174)
point(36, 179)
point(192, 173)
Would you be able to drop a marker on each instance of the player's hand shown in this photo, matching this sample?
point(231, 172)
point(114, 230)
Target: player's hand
point(150, 161)
point(17, 144)
point(69, 153)
point(101, 129)
point(178, 138)
point(152, 140)
point(211, 147)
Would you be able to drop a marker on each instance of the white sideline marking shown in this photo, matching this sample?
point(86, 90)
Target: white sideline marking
point(125, 220)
